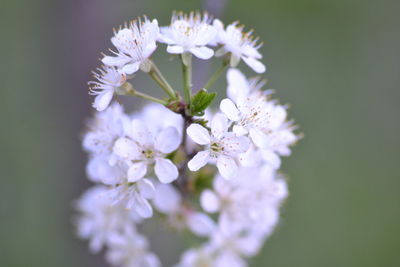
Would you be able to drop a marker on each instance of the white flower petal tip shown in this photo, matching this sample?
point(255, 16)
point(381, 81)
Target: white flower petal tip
point(229, 109)
point(256, 65)
point(209, 201)
point(227, 167)
point(168, 140)
point(199, 161)
point(200, 224)
point(198, 134)
point(137, 171)
point(165, 170)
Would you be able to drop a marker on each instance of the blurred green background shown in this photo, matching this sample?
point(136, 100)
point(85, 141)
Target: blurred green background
point(336, 62)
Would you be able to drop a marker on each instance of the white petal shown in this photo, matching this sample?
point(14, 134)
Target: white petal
point(209, 201)
point(168, 140)
point(239, 130)
point(140, 133)
point(131, 68)
point(146, 188)
point(258, 137)
point(202, 52)
point(175, 49)
point(142, 207)
point(137, 171)
point(226, 166)
point(102, 100)
point(167, 200)
point(218, 25)
point(198, 134)
point(219, 125)
point(271, 158)
point(234, 145)
point(238, 86)
point(256, 65)
point(126, 148)
point(200, 224)
point(165, 170)
point(229, 109)
point(166, 35)
point(229, 258)
point(199, 160)
point(115, 61)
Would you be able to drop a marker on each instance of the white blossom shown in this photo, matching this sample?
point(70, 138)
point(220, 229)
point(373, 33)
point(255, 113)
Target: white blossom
point(130, 249)
point(255, 115)
point(133, 196)
point(106, 127)
point(140, 148)
point(189, 34)
point(108, 80)
point(247, 204)
point(152, 114)
point(200, 257)
point(222, 146)
point(135, 43)
point(100, 170)
point(98, 218)
point(139, 162)
point(241, 46)
point(169, 201)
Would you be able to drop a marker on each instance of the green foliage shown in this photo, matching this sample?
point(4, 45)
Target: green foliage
point(201, 101)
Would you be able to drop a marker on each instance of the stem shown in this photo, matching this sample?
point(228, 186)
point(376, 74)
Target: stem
point(129, 90)
point(187, 77)
point(215, 76)
point(151, 98)
point(157, 76)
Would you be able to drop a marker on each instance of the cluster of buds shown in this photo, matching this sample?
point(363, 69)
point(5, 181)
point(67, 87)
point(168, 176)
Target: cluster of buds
point(212, 173)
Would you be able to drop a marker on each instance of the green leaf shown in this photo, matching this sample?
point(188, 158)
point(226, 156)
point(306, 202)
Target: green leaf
point(201, 101)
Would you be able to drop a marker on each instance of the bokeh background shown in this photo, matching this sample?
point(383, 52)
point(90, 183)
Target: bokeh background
point(336, 62)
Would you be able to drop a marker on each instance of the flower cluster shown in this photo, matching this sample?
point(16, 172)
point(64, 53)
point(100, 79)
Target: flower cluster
point(212, 173)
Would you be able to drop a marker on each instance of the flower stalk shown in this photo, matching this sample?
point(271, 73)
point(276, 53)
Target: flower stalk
point(216, 75)
point(127, 89)
point(159, 78)
point(187, 77)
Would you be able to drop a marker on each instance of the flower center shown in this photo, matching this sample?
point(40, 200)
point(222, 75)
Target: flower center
point(148, 154)
point(215, 147)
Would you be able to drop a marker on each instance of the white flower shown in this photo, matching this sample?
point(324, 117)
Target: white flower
point(200, 224)
point(239, 87)
point(108, 80)
point(141, 149)
point(100, 170)
point(253, 113)
point(135, 44)
point(201, 257)
point(134, 196)
point(130, 249)
point(106, 127)
point(98, 219)
point(221, 146)
point(240, 45)
point(168, 199)
point(152, 113)
point(249, 203)
point(189, 33)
